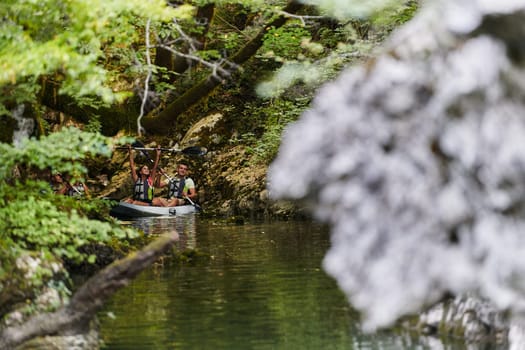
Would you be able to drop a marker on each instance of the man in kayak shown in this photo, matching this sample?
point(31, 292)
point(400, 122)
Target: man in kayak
point(143, 181)
point(77, 189)
point(57, 183)
point(181, 188)
point(61, 185)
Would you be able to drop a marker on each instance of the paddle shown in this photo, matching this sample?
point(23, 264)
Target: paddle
point(190, 151)
point(73, 188)
point(68, 184)
point(138, 146)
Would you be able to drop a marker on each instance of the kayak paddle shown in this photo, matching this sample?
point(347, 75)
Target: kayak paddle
point(190, 151)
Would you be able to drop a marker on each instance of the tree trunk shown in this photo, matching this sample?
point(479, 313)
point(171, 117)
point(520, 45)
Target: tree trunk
point(166, 120)
point(113, 118)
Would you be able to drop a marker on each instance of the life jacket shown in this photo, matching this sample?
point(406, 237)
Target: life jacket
point(76, 190)
point(143, 190)
point(176, 188)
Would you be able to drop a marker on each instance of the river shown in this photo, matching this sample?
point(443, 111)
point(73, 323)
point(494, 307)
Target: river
point(251, 286)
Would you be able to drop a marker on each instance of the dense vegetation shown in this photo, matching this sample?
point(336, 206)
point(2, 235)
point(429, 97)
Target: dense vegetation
point(145, 68)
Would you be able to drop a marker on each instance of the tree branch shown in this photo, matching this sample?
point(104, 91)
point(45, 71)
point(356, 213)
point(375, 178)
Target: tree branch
point(158, 124)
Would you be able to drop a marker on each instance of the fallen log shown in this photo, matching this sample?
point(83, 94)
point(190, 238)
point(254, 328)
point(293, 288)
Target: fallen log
point(89, 298)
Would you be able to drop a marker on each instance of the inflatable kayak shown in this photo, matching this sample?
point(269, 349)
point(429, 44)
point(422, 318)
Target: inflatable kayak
point(139, 211)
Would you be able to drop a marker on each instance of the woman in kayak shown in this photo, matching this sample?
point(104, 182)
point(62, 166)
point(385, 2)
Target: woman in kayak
point(143, 181)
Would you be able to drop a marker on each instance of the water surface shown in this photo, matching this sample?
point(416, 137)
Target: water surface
point(253, 286)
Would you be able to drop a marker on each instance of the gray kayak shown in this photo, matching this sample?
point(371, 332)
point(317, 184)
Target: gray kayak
point(139, 211)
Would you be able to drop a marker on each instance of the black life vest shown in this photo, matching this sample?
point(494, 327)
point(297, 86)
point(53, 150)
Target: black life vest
point(76, 190)
point(176, 187)
point(143, 190)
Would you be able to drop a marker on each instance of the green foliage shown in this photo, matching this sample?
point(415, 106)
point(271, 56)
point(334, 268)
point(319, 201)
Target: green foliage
point(396, 15)
point(94, 125)
point(335, 49)
point(406, 12)
point(284, 42)
point(37, 225)
point(209, 55)
point(62, 151)
point(276, 115)
point(310, 72)
point(331, 38)
point(66, 40)
point(41, 223)
point(231, 41)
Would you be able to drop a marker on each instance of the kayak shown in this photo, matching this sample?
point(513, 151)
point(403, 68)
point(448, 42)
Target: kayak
point(139, 211)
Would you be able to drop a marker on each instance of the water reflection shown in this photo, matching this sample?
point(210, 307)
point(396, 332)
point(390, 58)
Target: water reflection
point(183, 224)
point(261, 287)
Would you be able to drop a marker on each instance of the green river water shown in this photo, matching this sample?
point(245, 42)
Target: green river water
point(256, 286)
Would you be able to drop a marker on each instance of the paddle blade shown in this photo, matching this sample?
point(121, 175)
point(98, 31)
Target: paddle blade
point(194, 151)
point(136, 144)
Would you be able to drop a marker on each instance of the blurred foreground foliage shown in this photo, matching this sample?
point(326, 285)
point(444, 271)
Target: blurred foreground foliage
point(40, 230)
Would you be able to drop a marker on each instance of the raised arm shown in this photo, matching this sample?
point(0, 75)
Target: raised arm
point(155, 165)
point(134, 175)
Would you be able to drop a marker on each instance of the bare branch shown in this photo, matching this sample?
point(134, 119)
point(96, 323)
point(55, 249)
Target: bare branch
point(216, 68)
point(185, 37)
point(140, 129)
point(299, 17)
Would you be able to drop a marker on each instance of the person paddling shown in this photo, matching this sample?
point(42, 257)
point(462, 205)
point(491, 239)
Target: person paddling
point(181, 188)
point(61, 185)
point(57, 184)
point(77, 189)
point(143, 181)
